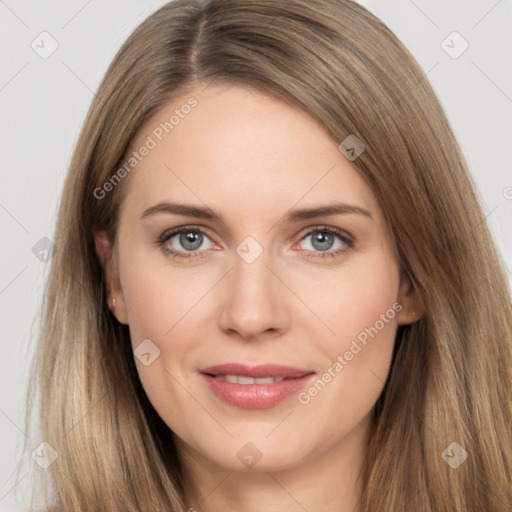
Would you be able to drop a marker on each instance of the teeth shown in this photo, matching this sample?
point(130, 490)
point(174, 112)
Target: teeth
point(264, 380)
point(244, 380)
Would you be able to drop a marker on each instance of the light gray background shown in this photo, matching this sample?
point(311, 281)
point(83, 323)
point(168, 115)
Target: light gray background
point(44, 101)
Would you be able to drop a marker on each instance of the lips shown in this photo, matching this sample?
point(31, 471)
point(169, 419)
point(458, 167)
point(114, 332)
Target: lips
point(254, 387)
point(260, 371)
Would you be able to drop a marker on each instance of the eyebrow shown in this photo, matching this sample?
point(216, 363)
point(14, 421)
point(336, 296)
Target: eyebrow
point(291, 216)
point(182, 209)
point(324, 211)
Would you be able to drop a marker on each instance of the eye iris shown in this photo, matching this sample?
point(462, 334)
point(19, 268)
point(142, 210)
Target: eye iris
point(325, 240)
point(191, 237)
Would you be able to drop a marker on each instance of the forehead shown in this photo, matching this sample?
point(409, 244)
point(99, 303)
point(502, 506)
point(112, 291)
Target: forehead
point(226, 144)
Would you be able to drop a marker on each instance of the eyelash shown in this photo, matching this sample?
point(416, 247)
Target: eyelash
point(347, 240)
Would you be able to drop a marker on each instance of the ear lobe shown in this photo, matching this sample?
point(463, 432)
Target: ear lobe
point(412, 309)
point(113, 289)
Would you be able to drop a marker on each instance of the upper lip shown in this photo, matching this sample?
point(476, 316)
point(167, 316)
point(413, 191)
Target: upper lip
point(259, 371)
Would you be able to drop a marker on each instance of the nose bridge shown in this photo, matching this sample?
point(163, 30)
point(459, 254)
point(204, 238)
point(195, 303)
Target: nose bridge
point(251, 274)
point(253, 302)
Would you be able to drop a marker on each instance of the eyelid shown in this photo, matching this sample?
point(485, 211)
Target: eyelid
point(343, 235)
point(168, 233)
point(181, 254)
point(323, 227)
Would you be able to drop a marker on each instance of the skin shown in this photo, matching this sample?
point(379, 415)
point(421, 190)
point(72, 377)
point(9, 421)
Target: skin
point(251, 159)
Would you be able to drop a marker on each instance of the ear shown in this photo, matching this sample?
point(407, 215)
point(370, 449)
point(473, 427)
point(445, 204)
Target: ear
point(412, 309)
point(114, 292)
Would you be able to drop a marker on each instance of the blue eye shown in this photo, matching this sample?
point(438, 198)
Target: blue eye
point(191, 238)
point(324, 238)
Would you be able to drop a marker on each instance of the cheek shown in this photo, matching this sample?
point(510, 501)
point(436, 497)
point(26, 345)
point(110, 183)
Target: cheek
point(353, 299)
point(362, 311)
point(156, 298)
point(161, 306)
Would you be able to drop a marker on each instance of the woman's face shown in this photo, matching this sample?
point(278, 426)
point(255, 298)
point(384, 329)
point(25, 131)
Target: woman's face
point(263, 334)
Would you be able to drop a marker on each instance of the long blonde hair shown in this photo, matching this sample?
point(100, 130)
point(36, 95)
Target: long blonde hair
point(451, 377)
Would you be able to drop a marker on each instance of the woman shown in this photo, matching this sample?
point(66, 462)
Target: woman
point(273, 287)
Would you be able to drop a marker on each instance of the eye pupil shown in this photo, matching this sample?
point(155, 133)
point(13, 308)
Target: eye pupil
point(191, 240)
point(325, 239)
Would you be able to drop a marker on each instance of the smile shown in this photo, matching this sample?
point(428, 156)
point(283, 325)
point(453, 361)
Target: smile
point(257, 387)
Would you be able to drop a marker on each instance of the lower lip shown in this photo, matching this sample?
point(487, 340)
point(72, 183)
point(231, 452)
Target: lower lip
point(255, 396)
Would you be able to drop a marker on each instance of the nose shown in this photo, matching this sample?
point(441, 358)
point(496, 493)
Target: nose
point(254, 300)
